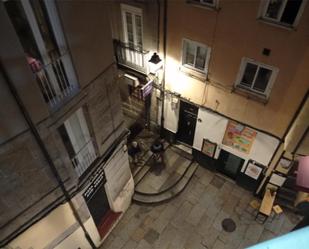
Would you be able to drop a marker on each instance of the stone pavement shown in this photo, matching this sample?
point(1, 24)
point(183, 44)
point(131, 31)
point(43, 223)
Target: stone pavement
point(193, 219)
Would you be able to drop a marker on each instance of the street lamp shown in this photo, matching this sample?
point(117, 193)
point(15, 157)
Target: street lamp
point(155, 63)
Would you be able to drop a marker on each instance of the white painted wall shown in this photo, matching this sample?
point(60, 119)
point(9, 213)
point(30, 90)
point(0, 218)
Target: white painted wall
point(119, 185)
point(171, 113)
point(45, 232)
point(212, 127)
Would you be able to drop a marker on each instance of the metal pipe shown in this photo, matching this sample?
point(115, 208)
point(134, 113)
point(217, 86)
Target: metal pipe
point(45, 152)
point(164, 67)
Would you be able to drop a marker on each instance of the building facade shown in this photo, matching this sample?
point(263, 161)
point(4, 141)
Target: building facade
point(234, 81)
point(65, 176)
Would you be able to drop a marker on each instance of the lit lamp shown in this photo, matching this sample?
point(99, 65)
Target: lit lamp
point(155, 63)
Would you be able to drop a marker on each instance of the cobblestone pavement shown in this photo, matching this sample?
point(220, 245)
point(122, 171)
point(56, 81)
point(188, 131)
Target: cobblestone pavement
point(193, 219)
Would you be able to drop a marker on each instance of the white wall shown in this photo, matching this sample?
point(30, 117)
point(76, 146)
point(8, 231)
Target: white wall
point(212, 127)
point(119, 185)
point(51, 228)
point(171, 113)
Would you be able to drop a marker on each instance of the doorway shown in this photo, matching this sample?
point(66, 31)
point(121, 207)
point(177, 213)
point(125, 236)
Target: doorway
point(98, 205)
point(229, 164)
point(186, 123)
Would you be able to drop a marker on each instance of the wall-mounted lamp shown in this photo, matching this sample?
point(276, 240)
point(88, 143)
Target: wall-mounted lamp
point(155, 63)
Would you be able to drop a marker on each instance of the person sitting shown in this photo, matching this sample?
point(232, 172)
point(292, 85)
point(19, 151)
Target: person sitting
point(134, 150)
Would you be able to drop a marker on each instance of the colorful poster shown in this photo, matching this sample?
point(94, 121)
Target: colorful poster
point(239, 137)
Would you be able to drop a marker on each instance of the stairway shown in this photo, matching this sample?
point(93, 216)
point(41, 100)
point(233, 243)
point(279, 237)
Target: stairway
point(169, 193)
point(286, 195)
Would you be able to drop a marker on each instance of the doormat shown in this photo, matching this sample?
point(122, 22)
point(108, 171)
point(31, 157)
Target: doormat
point(217, 182)
point(228, 225)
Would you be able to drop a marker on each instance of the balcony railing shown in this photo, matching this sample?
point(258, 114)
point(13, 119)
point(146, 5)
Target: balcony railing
point(84, 158)
point(132, 56)
point(54, 80)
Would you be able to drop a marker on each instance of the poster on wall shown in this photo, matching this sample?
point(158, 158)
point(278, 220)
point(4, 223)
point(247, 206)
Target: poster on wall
point(239, 136)
point(208, 148)
point(253, 170)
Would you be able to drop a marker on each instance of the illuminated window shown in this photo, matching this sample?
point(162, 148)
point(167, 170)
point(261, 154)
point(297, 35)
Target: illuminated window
point(195, 55)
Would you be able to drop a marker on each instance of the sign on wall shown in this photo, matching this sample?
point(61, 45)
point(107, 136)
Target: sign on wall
point(239, 137)
point(208, 148)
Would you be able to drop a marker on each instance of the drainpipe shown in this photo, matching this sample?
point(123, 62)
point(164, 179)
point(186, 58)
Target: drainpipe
point(164, 67)
point(44, 150)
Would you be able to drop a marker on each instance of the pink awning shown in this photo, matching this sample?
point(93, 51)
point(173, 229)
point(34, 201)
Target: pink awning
point(302, 179)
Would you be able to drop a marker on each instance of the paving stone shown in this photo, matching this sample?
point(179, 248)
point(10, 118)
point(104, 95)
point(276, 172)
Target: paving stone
point(193, 220)
point(194, 240)
point(130, 244)
point(196, 214)
point(217, 182)
point(218, 244)
point(254, 232)
point(138, 234)
point(143, 245)
point(182, 214)
point(151, 236)
point(164, 218)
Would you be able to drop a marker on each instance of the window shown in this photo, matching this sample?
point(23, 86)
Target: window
point(209, 3)
point(38, 28)
point(195, 56)
point(132, 25)
point(256, 77)
point(285, 12)
point(77, 141)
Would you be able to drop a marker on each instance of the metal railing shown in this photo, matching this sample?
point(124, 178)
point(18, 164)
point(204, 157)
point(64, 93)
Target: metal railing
point(54, 81)
point(84, 158)
point(132, 56)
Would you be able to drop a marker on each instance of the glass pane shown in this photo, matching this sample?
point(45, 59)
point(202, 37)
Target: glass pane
point(273, 9)
point(78, 132)
point(208, 2)
point(129, 28)
point(262, 79)
point(201, 54)
point(138, 24)
point(249, 74)
point(290, 11)
point(190, 53)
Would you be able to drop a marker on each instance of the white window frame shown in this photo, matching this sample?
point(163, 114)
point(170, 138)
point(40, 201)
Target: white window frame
point(215, 4)
point(270, 83)
point(79, 114)
point(264, 7)
point(196, 44)
point(133, 11)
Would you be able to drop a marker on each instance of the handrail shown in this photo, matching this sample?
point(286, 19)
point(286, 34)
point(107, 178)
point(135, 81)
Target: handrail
point(130, 47)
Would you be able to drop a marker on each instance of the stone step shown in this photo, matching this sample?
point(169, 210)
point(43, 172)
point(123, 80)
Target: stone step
point(128, 106)
point(143, 169)
point(169, 193)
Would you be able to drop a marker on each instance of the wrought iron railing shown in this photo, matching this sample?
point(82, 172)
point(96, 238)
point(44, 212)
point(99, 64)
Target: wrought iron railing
point(84, 158)
point(132, 56)
point(53, 80)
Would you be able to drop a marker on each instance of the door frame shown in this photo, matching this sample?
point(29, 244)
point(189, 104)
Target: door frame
point(179, 118)
point(133, 11)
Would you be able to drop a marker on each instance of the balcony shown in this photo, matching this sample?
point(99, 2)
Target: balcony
point(56, 80)
point(133, 57)
point(84, 158)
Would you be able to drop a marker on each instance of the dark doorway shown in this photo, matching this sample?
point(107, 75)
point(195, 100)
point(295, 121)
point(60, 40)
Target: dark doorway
point(98, 205)
point(229, 164)
point(186, 123)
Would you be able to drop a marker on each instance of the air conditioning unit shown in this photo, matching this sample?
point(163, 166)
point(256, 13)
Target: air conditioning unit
point(131, 80)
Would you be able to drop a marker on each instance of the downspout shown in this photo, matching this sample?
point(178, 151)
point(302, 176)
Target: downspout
point(158, 25)
point(44, 150)
point(164, 67)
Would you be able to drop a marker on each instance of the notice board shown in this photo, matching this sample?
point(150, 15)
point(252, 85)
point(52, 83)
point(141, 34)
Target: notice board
point(239, 136)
